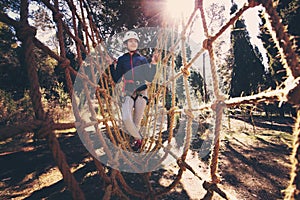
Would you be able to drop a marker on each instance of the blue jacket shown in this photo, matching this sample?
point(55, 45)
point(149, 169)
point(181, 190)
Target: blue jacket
point(134, 70)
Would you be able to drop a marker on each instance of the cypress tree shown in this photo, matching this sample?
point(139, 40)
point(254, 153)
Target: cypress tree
point(248, 70)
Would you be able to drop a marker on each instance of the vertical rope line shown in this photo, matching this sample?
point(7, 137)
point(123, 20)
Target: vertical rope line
point(92, 26)
point(159, 143)
point(104, 82)
point(189, 121)
point(94, 29)
point(158, 89)
point(56, 16)
point(175, 44)
point(173, 97)
point(73, 11)
point(154, 93)
point(215, 153)
point(164, 44)
point(26, 34)
point(208, 44)
point(180, 172)
point(84, 26)
point(189, 103)
point(204, 24)
point(64, 168)
point(93, 114)
point(146, 178)
point(108, 109)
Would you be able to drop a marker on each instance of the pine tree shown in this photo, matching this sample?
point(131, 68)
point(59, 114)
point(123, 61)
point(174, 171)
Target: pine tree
point(248, 70)
point(276, 73)
point(289, 12)
point(13, 77)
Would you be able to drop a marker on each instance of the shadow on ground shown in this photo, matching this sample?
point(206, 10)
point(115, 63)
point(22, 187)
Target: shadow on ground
point(25, 173)
point(255, 170)
point(272, 123)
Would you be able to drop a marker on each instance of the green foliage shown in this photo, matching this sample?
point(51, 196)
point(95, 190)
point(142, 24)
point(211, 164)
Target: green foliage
point(14, 111)
point(196, 82)
point(7, 105)
point(276, 73)
point(117, 15)
point(225, 71)
point(13, 77)
point(248, 70)
point(289, 12)
point(42, 17)
point(9, 5)
point(8, 46)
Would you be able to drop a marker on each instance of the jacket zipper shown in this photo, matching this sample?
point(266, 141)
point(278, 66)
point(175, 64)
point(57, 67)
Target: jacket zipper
point(131, 64)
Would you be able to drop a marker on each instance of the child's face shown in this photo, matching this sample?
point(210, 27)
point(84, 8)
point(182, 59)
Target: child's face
point(132, 44)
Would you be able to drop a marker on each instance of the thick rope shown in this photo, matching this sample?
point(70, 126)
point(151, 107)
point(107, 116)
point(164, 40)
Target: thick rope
point(26, 36)
point(208, 44)
point(292, 58)
point(45, 128)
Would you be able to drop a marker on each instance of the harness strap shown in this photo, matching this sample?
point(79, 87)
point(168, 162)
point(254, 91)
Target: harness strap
point(140, 95)
point(125, 81)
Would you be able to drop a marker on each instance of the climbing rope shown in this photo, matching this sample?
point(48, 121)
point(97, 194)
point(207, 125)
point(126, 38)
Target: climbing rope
point(107, 120)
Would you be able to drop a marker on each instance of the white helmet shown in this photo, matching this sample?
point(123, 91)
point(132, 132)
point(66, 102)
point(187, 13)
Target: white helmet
point(131, 35)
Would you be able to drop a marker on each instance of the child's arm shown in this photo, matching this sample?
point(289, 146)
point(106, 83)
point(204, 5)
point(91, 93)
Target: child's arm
point(151, 71)
point(116, 71)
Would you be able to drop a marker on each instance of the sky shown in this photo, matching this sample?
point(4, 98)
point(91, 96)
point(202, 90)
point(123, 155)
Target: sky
point(251, 19)
point(196, 38)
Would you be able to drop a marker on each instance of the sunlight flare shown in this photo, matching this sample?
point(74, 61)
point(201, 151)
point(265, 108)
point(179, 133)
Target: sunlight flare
point(175, 9)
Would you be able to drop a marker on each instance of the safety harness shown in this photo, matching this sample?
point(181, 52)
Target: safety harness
point(140, 95)
point(131, 81)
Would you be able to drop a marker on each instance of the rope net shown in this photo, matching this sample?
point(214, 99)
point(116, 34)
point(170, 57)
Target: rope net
point(96, 99)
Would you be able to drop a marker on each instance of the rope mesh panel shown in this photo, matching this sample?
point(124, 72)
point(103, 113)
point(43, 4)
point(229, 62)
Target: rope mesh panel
point(106, 121)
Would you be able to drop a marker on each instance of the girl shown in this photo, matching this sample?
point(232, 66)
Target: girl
point(135, 72)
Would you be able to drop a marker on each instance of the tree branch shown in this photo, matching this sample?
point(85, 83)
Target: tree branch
point(9, 21)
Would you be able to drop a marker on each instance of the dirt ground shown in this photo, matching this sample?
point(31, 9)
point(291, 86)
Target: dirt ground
point(253, 164)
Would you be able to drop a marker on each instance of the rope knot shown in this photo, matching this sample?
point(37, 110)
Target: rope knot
point(189, 113)
point(58, 16)
point(253, 3)
point(65, 63)
point(172, 110)
point(207, 44)
point(218, 104)
point(45, 129)
point(183, 37)
point(180, 163)
point(26, 31)
point(185, 71)
point(213, 187)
